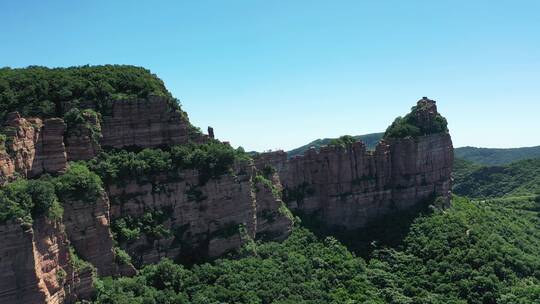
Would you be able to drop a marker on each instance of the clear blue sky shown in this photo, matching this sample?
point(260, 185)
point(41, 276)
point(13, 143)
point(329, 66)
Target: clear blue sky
point(278, 74)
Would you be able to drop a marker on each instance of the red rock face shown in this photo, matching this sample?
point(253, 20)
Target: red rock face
point(146, 123)
point(343, 186)
point(88, 229)
point(50, 152)
point(203, 220)
point(35, 266)
point(18, 275)
point(422, 167)
point(80, 144)
point(36, 146)
point(349, 187)
point(33, 147)
point(274, 221)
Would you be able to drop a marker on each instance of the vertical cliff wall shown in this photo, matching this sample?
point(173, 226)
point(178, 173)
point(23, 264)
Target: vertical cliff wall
point(88, 229)
point(174, 214)
point(35, 265)
point(32, 147)
point(346, 186)
point(197, 221)
point(146, 123)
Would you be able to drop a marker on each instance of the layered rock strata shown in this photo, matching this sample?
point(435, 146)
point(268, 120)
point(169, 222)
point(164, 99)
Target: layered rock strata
point(274, 220)
point(32, 147)
point(88, 229)
point(203, 221)
point(348, 187)
point(83, 142)
point(35, 265)
point(146, 123)
point(176, 215)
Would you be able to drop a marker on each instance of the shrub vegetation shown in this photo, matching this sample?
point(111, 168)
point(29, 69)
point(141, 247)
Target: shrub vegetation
point(466, 254)
point(519, 178)
point(343, 141)
point(211, 159)
point(44, 92)
point(29, 199)
point(408, 126)
point(76, 119)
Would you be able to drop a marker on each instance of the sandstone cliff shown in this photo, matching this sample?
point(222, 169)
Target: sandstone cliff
point(88, 229)
point(179, 217)
point(32, 147)
point(174, 214)
point(349, 187)
point(274, 220)
point(36, 265)
point(82, 139)
point(199, 221)
point(146, 123)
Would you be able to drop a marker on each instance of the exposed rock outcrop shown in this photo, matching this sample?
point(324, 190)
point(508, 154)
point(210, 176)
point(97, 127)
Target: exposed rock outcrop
point(202, 220)
point(274, 220)
point(32, 147)
point(35, 265)
point(88, 229)
point(349, 187)
point(82, 143)
point(146, 123)
point(50, 154)
point(188, 218)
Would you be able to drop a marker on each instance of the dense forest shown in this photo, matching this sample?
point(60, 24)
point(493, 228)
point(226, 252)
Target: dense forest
point(211, 159)
point(474, 252)
point(518, 178)
point(493, 156)
point(45, 92)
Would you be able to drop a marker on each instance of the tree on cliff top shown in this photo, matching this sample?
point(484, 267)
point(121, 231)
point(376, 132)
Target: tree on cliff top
point(45, 92)
point(344, 141)
point(422, 120)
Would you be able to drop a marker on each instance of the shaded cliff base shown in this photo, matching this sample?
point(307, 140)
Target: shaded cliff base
point(387, 231)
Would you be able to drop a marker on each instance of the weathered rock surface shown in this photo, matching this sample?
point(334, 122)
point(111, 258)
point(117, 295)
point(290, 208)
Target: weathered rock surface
point(32, 147)
point(35, 265)
point(146, 123)
point(50, 154)
point(274, 220)
point(80, 142)
point(203, 220)
point(349, 187)
point(88, 229)
point(190, 220)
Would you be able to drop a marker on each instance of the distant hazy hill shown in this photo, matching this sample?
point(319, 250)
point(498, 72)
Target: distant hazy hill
point(489, 156)
point(518, 178)
point(370, 140)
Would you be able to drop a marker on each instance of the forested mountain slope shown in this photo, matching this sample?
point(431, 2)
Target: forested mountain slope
point(494, 156)
point(469, 253)
point(518, 178)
